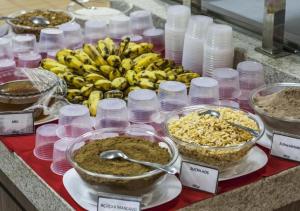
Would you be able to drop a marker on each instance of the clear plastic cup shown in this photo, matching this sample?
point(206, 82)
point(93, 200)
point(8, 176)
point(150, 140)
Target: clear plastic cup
point(140, 21)
point(134, 38)
point(218, 48)
point(6, 49)
point(230, 103)
point(172, 95)
point(156, 37)
point(251, 75)
point(194, 40)
point(204, 90)
point(44, 141)
point(95, 30)
point(7, 70)
point(23, 43)
point(74, 120)
point(51, 40)
point(119, 26)
point(30, 60)
point(178, 16)
point(73, 35)
point(60, 164)
point(143, 106)
point(112, 112)
point(228, 79)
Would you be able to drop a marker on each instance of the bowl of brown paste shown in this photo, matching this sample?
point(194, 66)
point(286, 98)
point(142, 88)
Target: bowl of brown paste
point(118, 175)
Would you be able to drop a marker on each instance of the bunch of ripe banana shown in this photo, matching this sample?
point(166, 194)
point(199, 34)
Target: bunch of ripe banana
point(107, 71)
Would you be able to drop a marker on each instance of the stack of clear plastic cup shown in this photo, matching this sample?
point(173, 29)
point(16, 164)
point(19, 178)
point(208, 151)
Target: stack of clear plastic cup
point(74, 120)
point(157, 38)
point(140, 21)
point(112, 112)
point(7, 63)
point(60, 164)
point(175, 27)
point(143, 106)
point(51, 41)
point(134, 38)
point(204, 90)
point(218, 48)
point(251, 77)
point(94, 30)
point(29, 60)
point(119, 26)
point(73, 35)
point(194, 40)
point(229, 85)
point(44, 141)
point(23, 43)
point(6, 49)
point(172, 95)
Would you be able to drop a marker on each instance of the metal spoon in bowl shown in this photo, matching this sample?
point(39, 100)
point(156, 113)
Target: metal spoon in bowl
point(37, 20)
point(216, 114)
point(113, 154)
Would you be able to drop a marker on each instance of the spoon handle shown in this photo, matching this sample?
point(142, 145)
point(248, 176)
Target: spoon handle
point(251, 131)
point(6, 18)
point(80, 4)
point(168, 169)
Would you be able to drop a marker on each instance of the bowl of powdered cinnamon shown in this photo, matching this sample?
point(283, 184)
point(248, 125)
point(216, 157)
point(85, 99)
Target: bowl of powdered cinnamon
point(278, 105)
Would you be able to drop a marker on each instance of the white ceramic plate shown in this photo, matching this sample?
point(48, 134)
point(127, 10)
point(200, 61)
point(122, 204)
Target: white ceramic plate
point(169, 189)
point(254, 160)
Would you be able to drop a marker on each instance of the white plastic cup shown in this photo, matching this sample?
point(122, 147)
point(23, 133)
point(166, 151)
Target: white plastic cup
point(140, 21)
point(95, 30)
point(218, 49)
point(194, 40)
point(44, 141)
point(112, 112)
point(6, 49)
point(204, 90)
point(143, 106)
point(7, 70)
point(228, 80)
point(74, 120)
point(172, 95)
point(51, 41)
point(72, 34)
point(23, 43)
point(156, 37)
point(119, 26)
point(29, 60)
point(60, 164)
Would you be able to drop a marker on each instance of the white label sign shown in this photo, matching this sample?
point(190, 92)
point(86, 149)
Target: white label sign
point(113, 204)
point(286, 146)
point(199, 177)
point(16, 123)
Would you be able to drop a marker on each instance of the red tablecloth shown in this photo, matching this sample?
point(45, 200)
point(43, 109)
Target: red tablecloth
point(23, 146)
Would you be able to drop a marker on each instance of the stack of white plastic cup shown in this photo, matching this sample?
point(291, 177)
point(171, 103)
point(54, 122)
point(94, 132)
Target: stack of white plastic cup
point(140, 21)
point(218, 48)
point(175, 27)
point(51, 41)
point(251, 77)
point(94, 30)
point(194, 40)
point(119, 26)
point(73, 35)
point(7, 63)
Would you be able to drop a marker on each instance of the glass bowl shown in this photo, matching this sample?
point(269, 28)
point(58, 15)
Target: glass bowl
point(215, 156)
point(118, 7)
point(274, 123)
point(21, 29)
point(129, 185)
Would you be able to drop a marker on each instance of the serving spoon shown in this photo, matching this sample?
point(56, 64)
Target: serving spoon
point(217, 114)
point(113, 154)
point(37, 20)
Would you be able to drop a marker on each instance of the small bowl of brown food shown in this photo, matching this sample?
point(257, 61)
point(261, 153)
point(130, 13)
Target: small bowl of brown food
point(21, 22)
point(121, 176)
point(278, 105)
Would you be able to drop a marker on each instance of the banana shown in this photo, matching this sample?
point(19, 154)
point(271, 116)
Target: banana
point(123, 46)
point(61, 59)
point(114, 74)
point(143, 63)
point(114, 61)
point(77, 99)
point(93, 101)
point(86, 90)
point(114, 94)
point(178, 70)
point(68, 77)
point(84, 58)
point(93, 53)
point(151, 67)
point(50, 63)
point(119, 83)
point(93, 77)
point(131, 77)
point(139, 58)
point(127, 64)
point(101, 47)
point(85, 103)
point(73, 62)
point(71, 93)
point(147, 74)
point(106, 70)
point(145, 83)
point(103, 84)
point(131, 88)
point(171, 76)
point(90, 68)
point(109, 43)
point(78, 82)
point(57, 70)
point(64, 52)
point(160, 75)
point(187, 77)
